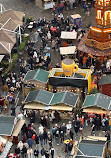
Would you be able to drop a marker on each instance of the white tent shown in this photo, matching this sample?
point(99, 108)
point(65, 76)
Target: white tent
point(68, 50)
point(76, 16)
point(68, 35)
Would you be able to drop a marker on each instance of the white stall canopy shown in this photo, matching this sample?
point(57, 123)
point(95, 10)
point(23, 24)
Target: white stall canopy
point(69, 35)
point(68, 50)
point(76, 16)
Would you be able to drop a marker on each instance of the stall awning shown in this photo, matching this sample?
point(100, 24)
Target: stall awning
point(67, 50)
point(94, 110)
point(35, 106)
point(69, 35)
point(18, 127)
point(60, 108)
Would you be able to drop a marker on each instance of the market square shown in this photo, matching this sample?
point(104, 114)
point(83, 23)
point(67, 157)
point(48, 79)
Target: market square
point(55, 85)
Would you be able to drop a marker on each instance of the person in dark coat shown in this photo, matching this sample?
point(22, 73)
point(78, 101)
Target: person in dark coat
point(24, 152)
point(29, 134)
point(36, 153)
point(69, 148)
point(42, 152)
point(71, 134)
point(52, 151)
point(45, 137)
point(13, 111)
point(47, 154)
point(106, 125)
point(63, 128)
point(108, 138)
point(24, 129)
point(37, 140)
point(61, 136)
point(98, 123)
point(41, 136)
point(32, 120)
point(17, 151)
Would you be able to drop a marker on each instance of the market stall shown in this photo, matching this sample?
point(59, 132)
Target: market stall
point(42, 100)
point(90, 146)
point(76, 19)
point(48, 4)
point(45, 4)
point(10, 128)
point(71, 50)
point(6, 147)
point(35, 79)
point(68, 38)
point(97, 104)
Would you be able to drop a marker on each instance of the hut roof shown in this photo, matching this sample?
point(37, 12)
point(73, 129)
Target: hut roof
point(90, 148)
point(5, 47)
point(6, 125)
point(14, 15)
point(49, 98)
point(99, 100)
point(38, 75)
point(105, 79)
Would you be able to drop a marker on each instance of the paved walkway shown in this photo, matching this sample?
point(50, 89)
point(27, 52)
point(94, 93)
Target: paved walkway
point(31, 10)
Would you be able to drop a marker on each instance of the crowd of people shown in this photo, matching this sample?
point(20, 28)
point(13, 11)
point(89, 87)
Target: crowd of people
point(40, 141)
point(40, 136)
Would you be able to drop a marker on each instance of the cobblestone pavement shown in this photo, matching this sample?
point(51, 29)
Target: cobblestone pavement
point(32, 10)
point(59, 150)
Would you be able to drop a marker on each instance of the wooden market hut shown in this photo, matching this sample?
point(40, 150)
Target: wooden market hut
point(68, 37)
point(105, 84)
point(90, 147)
point(68, 51)
point(97, 103)
point(45, 100)
point(9, 130)
point(35, 79)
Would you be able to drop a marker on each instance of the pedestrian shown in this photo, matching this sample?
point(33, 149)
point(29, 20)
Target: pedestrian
point(71, 134)
point(53, 132)
point(17, 151)
point(36, 36)
point(30, 153)
point(45, 137)
point(43, 153)
point(30, 142)
point(108, 138)
point(69, 148)
point(81, 130)
point(61, 136)
point(36, 153)
point(50, 140)
point(13, 111)
point(47, 154)
point(57, 136)
point(20, 145)
point(52, 151)
point(41, 136)
point(36, 139)
point(24, 152)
